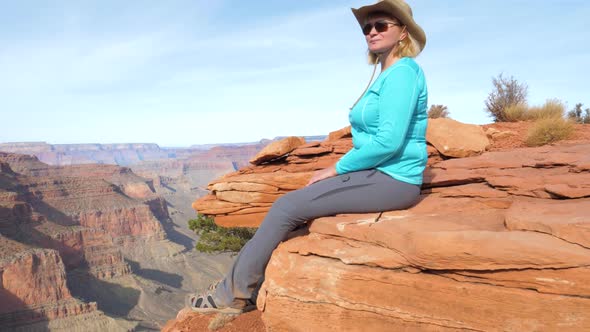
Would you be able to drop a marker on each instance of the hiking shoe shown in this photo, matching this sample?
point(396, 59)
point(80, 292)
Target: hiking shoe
point(207, 303)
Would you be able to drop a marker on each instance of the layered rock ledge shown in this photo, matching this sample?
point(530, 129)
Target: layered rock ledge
point(500, 241)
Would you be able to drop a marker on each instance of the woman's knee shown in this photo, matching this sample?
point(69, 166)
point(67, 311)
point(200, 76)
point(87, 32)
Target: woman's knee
point(292, 204)
point(285, 203)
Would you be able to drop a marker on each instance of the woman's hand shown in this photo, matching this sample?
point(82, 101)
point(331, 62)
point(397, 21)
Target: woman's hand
point(322, 174)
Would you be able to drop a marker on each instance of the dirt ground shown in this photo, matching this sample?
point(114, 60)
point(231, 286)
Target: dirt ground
point(520, 129)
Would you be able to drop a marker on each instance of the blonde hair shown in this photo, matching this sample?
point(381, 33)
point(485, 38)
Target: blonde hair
point(408, 47)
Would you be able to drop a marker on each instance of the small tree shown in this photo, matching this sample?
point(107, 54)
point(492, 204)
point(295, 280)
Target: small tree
point(579, 116)
point(438, 111)
point(507, 92)
point(213, 238)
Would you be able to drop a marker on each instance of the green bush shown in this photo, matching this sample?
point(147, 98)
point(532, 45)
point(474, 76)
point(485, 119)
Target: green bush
point(549, 130)
point(213, 238)
point(507, 92)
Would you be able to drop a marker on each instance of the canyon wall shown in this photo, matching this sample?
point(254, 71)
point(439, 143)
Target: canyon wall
point(119, 231)
point(58, 221)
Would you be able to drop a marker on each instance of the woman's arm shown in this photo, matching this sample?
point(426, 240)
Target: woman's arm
point(397, 102)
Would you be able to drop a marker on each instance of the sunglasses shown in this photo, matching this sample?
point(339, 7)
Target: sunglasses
point(380, 26)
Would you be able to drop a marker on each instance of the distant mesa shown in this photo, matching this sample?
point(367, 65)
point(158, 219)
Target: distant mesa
point(122, 154)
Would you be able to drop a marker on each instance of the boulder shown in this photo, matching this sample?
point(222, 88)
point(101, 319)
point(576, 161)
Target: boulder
point(455, 139)
point(277, 149)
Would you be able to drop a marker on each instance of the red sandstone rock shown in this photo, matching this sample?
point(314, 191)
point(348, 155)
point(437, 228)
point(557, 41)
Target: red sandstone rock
point(338, 134)
point(451, 241)
point(311, 151)
point(241, 220)
point(277, 149)
point(456, 139)
point(488, 247)
point(313, 293)
point(568, 220)
point(188, 321)
point(244, 186)
point(471, 190)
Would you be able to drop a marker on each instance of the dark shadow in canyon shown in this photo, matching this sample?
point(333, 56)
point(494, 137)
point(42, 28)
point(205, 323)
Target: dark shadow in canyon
point(169, 279)
point(15, 313)
point(114, 299)
point(52, 214)
point(8, 224)
point(177, 237)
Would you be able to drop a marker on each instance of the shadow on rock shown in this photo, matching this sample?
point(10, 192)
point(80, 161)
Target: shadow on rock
point(169, 279)
point(15, 313)
point(114, 299)
point(177, 237)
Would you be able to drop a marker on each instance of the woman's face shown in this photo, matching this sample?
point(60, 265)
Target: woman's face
point(381, 42)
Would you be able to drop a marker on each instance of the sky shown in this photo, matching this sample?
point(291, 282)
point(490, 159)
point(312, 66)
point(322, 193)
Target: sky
point(179, 73)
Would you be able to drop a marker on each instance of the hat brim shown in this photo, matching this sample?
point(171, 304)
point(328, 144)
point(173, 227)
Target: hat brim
point(391, 8)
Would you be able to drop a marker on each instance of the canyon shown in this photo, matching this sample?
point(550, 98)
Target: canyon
point(89, 245)
point(97, 247)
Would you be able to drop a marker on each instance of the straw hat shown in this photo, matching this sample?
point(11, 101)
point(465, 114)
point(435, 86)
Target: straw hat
point(400, 10)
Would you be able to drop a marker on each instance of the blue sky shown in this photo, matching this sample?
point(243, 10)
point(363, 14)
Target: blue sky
point(178, 73)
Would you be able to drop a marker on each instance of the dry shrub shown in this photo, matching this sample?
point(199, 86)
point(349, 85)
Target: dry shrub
point(549, 130)
point(438, 111)
point(517, 112)
point(507, 92)
point(553, 108)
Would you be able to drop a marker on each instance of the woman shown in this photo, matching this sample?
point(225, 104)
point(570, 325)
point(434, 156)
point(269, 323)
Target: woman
point(383, 171)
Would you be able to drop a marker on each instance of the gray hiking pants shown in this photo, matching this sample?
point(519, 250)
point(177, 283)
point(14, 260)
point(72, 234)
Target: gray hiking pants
point(358, 192)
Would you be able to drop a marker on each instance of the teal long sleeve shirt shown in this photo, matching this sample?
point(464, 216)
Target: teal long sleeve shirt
point(389, 125)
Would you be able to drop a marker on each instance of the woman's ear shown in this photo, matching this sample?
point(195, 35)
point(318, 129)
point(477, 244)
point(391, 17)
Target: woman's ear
point(404, 34)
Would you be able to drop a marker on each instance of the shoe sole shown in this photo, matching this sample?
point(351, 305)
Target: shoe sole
point(226, 310)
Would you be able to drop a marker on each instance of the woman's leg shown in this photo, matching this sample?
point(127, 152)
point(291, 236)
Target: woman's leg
point(357, 192)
